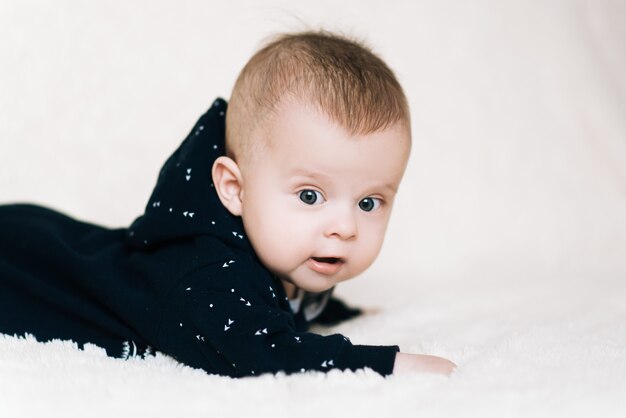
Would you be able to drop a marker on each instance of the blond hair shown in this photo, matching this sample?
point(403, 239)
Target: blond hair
point(342, 77)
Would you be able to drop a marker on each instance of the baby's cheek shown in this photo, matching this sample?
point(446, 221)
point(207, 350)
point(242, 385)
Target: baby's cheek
point(279, 245)
point(370, 248)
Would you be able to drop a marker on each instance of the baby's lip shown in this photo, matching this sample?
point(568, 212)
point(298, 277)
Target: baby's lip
point(325, 265)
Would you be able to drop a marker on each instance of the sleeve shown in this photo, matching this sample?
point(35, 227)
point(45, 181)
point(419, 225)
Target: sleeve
point(216, 322)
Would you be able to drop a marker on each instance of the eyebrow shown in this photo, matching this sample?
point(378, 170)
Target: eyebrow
point(307, 173)
point(321, 176)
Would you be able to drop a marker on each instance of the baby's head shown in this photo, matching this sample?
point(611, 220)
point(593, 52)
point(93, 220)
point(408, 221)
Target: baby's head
point(317, 138)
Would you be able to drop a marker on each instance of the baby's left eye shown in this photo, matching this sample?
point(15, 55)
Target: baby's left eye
point(369, 204)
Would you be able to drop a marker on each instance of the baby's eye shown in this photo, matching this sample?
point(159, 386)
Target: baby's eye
point(311, 197)
point(369, 204)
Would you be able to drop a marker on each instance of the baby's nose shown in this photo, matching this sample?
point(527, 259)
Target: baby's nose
point(342, 225)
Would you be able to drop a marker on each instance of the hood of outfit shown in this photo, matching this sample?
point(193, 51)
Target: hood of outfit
point(182, 279)
point(184, 203)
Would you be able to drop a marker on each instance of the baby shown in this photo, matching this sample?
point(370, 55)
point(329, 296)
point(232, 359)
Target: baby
point(260, 212)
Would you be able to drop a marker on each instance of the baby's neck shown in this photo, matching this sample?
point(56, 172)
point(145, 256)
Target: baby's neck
point(290, 289)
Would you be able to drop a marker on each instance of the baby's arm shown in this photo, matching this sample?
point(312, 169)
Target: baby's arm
point(422, 363)
point(226, 324)
point(231, 322)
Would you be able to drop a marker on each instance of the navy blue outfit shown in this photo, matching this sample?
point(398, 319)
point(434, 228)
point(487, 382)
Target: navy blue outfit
point(183, 279)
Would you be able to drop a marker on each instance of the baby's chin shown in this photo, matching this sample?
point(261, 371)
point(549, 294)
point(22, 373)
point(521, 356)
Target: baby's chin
point(318, 285)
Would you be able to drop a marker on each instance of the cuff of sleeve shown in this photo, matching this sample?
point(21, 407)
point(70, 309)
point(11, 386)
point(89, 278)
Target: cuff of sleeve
point(380, 358)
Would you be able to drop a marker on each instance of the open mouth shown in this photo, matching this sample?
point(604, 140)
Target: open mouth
point(330, 260)
point(325, 265)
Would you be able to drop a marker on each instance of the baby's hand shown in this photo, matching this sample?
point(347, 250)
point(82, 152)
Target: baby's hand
point(422, 363)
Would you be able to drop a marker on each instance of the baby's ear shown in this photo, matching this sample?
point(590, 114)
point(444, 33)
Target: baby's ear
point(228, 182)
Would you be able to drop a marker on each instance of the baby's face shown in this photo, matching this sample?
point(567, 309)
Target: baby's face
point(316, 202)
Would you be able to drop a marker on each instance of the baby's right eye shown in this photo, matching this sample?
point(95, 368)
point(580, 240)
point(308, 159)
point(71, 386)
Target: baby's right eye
point(311, 197)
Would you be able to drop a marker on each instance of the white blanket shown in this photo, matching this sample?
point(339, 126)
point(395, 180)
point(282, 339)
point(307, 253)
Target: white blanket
point(523, 350)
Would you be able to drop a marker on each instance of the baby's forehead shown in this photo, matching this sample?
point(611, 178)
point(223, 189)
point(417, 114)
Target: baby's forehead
point(301, 137)
point(293, 117)
point(305, 141)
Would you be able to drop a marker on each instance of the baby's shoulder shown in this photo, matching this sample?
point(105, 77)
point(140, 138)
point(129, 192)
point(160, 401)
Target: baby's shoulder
point(233, 272)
